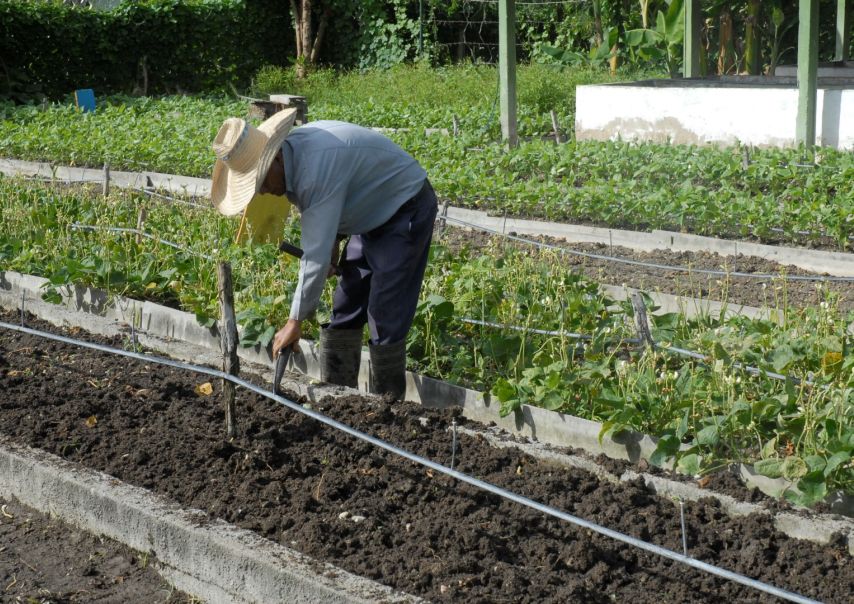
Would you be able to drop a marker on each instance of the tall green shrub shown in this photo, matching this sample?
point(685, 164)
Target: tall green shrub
point(153, 46)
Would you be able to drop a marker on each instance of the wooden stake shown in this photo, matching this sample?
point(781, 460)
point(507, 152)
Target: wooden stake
point(443, 218)
point(456, 125)
point(140, 223)
point(556, 128)
point(641, 320)
point(228, 342)
point(106, 184)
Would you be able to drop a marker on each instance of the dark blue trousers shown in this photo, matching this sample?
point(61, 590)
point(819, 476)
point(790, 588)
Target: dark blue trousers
point(382, 271)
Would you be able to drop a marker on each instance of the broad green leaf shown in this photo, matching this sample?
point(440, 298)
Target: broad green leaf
point(781, 357)
point(836, 460)
point(772, 468)
point(794, 468)
point(708, 436)
point(815, 463)
point(689, 464)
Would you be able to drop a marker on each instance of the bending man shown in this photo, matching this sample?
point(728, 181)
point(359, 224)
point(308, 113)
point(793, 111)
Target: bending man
point(345, 181)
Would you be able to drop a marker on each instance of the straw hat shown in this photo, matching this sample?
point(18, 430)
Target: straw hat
point(244, 154)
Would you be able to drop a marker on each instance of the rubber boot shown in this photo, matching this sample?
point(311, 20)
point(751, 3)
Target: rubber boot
point(388, 369)
point(340, 356)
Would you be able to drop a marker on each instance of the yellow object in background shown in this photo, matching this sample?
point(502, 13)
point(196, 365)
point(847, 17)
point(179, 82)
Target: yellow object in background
point(264, 219)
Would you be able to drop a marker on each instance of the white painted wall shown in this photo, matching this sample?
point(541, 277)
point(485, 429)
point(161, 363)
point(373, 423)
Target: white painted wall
point(761, 116)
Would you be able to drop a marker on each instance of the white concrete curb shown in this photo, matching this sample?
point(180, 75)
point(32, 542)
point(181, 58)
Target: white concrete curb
point(210, 559)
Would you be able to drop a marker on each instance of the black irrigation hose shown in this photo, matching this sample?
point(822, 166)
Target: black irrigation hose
point(765, 276)
point(495, 490)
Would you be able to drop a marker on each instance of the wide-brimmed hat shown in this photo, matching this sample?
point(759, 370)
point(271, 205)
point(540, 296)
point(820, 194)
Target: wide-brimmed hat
point(243, 156)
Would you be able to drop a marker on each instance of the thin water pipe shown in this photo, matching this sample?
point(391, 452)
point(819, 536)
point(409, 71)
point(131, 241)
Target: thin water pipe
point(129, 231)
point(151, 193)
point(662, 347)
point(563, 250)
point(475, 482)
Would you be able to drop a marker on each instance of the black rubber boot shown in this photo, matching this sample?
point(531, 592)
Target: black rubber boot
point(340, 356)
point(388, 369)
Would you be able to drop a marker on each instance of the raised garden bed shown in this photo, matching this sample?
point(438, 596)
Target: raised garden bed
point(46, 561)
point(341, 500)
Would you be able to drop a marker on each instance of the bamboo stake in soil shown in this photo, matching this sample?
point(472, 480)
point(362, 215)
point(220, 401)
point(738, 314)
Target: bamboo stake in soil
point(140, 223)
point(556, 128)
point(641, 320)
point(106, 184)
point(228, 342)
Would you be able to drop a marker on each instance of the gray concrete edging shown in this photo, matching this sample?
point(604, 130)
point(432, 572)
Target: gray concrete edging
point(210, 559)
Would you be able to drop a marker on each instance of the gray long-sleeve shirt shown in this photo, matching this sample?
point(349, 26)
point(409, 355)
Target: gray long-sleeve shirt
point(343, 179)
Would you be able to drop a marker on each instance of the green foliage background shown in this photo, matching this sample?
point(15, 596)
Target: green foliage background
point(51, 49)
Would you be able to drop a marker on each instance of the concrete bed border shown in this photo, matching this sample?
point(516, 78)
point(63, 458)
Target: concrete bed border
point(177, 334)
point(210, 559)
point(838, 264)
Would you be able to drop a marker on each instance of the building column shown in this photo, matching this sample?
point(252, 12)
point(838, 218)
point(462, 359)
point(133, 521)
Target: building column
point(507, 69)
point(691, 46)
point(807, 72)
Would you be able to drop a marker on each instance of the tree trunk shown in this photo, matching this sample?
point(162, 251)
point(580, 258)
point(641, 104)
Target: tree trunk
point(308, 43)
point(644, 8)
point(598, 34)
point(726, 48)
point(752, 56)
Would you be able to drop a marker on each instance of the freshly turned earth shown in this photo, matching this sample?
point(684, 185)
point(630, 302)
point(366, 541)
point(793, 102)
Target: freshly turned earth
point(45, 561)
point(772, 293)
point(307, 486)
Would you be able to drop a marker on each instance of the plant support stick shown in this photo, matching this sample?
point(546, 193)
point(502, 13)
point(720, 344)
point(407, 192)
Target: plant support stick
point(106, 184)
point(228, 342)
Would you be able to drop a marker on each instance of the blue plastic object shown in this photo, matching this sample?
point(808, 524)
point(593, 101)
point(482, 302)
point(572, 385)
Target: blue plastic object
point(85, 99)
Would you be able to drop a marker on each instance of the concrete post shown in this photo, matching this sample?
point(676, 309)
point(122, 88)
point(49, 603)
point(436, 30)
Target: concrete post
point(843, 30)
point(807, 72)
point(507, 69)
point(691, 48)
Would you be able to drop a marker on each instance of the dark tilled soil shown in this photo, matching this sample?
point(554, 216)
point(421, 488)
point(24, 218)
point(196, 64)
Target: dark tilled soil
point(44, 561)
point(775, 293)
point(341, 500)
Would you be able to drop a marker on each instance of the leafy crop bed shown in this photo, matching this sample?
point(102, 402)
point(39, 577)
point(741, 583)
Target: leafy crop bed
point(341, 500)
point(772, 194)
point(773, 292)
point(707, 412)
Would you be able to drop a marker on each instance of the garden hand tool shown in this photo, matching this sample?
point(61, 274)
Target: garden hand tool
point(281, 363)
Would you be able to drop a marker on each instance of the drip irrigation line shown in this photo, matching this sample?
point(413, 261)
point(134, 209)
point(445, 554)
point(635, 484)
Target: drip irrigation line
point(66, 181)
point(151, 193)
point(737, 365)
point(764, 276)
point(664, 348)
point(544, 332)
point(96, 180)
point(128, 231)
point(475, 482)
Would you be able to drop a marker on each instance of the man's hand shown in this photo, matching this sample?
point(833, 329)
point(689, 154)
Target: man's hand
point(288, 335)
